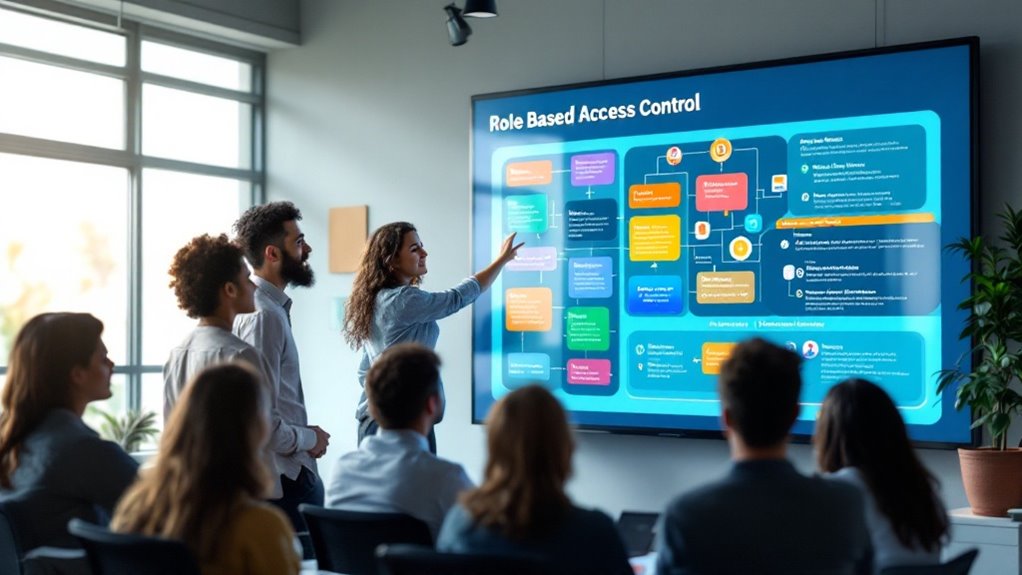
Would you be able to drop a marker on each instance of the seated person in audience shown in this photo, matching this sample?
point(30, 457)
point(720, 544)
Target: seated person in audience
point(210, 473)
point(521, 507)
point(861, 439)
point(210, 280)
point(394, 470)
point(763, 516)
point(52, 466)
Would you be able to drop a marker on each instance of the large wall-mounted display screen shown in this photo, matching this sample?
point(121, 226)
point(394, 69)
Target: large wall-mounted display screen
point(667, 218)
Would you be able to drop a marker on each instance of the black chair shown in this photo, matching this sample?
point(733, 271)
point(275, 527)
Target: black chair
point(10, 550)
point(123, 554)
point(959, 565)
point(346, 541)
point(419, 560)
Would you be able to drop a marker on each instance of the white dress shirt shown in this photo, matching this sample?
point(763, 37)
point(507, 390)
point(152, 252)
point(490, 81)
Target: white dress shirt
point(269, 331)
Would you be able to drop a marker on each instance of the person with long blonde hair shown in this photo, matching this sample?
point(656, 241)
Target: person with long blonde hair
point(206, 486)
point(521, 506)
point(387, 306)
point(53, 467)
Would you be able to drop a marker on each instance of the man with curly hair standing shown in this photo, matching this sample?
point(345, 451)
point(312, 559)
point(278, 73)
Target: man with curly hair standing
point(210, 279)
point(276, 249)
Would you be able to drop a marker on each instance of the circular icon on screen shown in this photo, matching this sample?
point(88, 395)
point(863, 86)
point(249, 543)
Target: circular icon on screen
point(791, 345)
point(810, 349)
point(720, 150)
point(640, 349)
point(785, 244)
point(740, 248)
point(674, 155)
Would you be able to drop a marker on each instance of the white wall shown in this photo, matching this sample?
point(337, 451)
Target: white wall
point(373, 109)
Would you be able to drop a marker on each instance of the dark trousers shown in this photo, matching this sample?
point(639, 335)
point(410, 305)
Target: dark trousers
point(306, 488)
point(367, 426)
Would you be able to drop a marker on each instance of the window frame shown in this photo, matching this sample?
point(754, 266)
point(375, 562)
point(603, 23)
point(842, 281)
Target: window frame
point(131, 157)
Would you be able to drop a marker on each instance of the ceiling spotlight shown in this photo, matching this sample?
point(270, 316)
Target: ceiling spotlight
point(457, 29)
point(480, 8)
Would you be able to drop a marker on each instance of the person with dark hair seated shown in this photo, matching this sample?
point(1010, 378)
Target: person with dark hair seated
point(763, 517)
point(521, 507)
point(209, 477)
point(394, 471)
point(52, 466)
point(861, 439)
point(210, 280)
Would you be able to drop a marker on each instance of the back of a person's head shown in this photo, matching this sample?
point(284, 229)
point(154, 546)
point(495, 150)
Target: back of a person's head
point(210, 458)
point(759, 386)
point(530, 448)
point(859, 426)
point(45, 351)
point(199, 271)
point(400, 383)
point(261, 226)
point(216, 426)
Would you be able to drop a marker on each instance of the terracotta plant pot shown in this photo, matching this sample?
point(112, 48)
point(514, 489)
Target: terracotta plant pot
point(992, 479)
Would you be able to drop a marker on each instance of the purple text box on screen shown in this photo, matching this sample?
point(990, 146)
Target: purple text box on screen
point(593, 169)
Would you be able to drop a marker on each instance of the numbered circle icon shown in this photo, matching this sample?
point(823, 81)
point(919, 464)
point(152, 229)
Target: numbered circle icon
point(740, 248)
point(673, 155)
point(785, 244)
point(720, 150)
point(800, 272)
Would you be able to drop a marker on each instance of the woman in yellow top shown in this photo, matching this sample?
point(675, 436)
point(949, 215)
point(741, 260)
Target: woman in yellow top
point(209, 477)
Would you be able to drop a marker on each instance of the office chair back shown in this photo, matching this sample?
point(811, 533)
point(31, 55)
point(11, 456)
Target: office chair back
point(10, 551)
point(346, 541)
point(420, 560)
point(123, 554)
point(959, 565)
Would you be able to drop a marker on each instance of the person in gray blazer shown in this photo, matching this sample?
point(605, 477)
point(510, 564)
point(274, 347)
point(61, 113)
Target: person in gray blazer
point(764, 516)
point(53, 467)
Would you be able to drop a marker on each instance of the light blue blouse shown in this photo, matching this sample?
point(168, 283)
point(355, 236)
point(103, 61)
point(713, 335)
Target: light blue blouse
point(409, 314)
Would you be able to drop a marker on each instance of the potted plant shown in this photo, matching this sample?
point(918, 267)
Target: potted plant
point(992, 475)
point(130, 430)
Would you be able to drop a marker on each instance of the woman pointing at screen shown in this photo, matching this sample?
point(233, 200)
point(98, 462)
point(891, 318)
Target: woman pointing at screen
point(387, 306)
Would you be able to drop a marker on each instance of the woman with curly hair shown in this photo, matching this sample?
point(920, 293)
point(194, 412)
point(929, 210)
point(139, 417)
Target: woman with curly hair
point(53, 467)
point(210, 280)
point(208, 479)
point(387, 306)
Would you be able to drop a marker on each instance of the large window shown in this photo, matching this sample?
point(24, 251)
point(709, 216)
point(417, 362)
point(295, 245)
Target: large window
point(118, 143)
